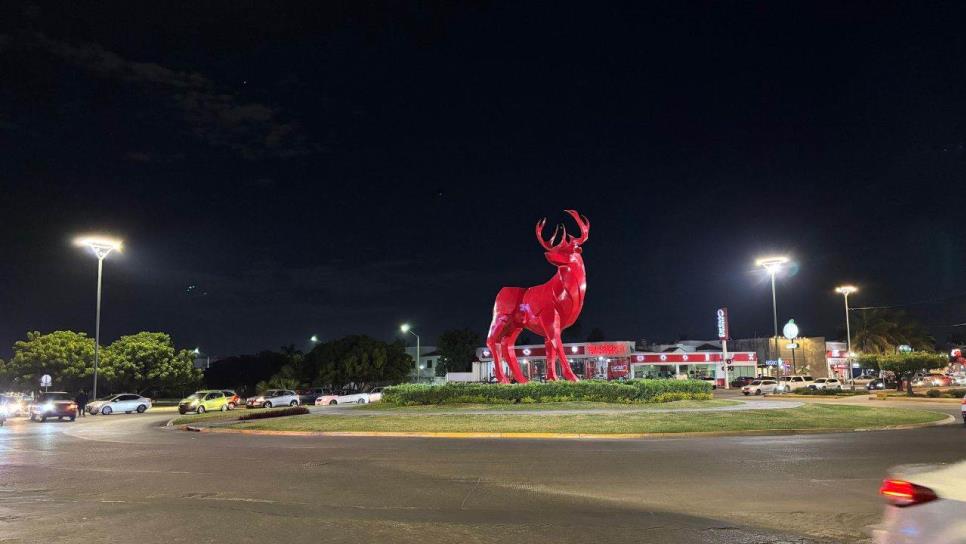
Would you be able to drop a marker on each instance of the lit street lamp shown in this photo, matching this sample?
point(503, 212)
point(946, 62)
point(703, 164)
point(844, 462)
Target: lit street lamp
point(406, 328)
point(773, 265)
point(845, 291)
point(314, 339)
point(101, 247)
point(198, 354)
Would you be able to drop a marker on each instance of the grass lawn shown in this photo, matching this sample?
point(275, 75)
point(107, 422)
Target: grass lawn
point(544, 406)
point(814, 416)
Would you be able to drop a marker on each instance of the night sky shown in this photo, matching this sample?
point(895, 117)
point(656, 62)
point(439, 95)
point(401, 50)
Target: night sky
point(334, 168)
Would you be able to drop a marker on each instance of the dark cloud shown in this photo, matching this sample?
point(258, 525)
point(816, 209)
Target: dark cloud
point(213, 114)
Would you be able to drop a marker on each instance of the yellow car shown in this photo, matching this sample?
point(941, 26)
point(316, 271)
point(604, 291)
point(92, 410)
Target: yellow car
point(204, 401)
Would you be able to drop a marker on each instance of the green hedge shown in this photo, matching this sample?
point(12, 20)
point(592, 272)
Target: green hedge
point(632, 391)
point(278, 412)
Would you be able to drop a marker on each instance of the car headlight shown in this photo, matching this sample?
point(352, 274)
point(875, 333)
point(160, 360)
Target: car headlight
point(48, 406)
point(3, 409)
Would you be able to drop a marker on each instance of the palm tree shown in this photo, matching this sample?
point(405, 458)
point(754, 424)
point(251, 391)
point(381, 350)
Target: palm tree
point(882, 330)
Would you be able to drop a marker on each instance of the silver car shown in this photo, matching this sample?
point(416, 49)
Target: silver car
point(273, 398)
point(927, 505)
point(122, 403)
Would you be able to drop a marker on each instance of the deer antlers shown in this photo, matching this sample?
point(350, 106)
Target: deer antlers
point(582, 222)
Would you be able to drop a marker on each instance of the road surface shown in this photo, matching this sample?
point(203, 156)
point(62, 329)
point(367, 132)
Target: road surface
point(124, 479)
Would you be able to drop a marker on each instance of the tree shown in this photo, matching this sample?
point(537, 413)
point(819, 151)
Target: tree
point(457, 349)
point(146, 360)
point(245, 372)
point(66, 355)
point(905, 365)
point(360, 360)
point(596, 335)
point(881, 330)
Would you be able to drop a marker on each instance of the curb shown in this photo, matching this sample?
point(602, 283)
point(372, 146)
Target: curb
point(948, 420)
point(921, 399)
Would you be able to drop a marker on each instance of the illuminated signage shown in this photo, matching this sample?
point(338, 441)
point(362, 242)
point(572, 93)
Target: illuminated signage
point(607, 349)
point(723, 332)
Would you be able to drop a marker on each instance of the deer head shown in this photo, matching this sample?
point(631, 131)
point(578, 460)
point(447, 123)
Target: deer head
point(567, 250)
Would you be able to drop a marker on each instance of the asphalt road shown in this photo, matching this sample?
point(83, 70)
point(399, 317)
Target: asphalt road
point(124, 479)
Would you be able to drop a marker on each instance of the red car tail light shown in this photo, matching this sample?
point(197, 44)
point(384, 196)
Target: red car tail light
point(903, 493)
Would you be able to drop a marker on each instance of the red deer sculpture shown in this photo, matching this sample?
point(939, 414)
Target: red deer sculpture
point(544, 309)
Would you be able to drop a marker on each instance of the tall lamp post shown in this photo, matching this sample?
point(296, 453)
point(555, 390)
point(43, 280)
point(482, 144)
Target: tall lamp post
point(845, 291)
point(405, 328)
point(772, 266)
point(101, 247)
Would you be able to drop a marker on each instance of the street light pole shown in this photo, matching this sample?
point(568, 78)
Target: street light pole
point(845, 291)
point(101, 247)
point(417, 370)
point(772, 265)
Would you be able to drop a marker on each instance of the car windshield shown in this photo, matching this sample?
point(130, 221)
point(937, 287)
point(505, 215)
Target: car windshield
point(194, 396)
point(272, 393)
point(47, 397)
point(756, 382)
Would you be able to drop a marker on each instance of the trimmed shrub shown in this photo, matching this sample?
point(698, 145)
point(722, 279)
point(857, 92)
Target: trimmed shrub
point(262, 414)
point(632, 391)
point(933, 393)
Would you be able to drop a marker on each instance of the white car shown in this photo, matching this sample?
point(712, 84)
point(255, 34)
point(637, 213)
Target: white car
point(791, 383)
point(353, 398)
point(827, 383)
point(927, 505)
point(122, 403)
point(274, 398)
point(760, 387)
point(375, 395)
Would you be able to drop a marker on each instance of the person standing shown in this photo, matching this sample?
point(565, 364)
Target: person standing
point(81, 400)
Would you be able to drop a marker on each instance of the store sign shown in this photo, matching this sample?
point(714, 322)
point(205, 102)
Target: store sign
point(723, 332)
point(614, 349)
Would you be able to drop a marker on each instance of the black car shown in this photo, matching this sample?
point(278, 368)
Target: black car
point(742, 381)
point(879, 384)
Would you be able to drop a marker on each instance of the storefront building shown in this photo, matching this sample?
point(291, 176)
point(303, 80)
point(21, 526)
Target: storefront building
point(619, 360)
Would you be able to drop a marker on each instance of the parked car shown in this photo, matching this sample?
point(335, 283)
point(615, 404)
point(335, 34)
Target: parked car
point(709, 379)
point(962, 408)
point(308, 396)
point(57, 404)
point(203, 401)
point(827, 383)
point(13, 406)
point(233, 399)
point(880, 384)
point(345, 398)
point(959, 380)
point(791, 383)
point(926, 505)
point(760, 387)
point(273, 398)
point(742, 381)
point(375, 395)
point(124, 402)
point(938, 380)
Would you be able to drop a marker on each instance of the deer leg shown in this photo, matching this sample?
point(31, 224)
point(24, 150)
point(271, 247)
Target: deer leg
point(511, 356)
point(550, 322)
point(564, 363)
point(494, 344)
point(551, 358)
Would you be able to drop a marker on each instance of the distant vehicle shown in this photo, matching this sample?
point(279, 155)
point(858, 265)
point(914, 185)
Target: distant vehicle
point(938, 380)
point(345, 398)
point(959, 380)
point(927, 505)
point(760, 387)
point(375, 395)
point(57, 404)
point(880, 384)
point(826, 383)
point(742, 381)
point(13, 406)
point(274, 398)
point(124, 402)
point(791, 383)
point(962, 408)
point(308, 396)
point(233, 399)
point(203, 401)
